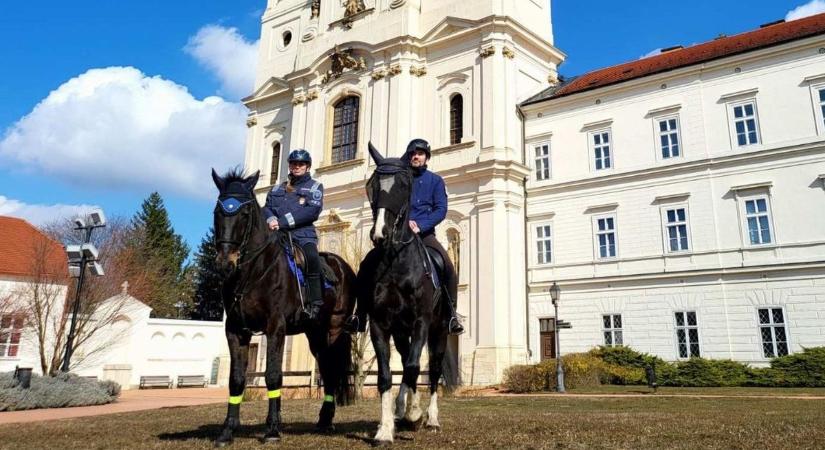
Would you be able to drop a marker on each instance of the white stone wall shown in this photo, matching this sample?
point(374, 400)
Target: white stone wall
point(723, 277)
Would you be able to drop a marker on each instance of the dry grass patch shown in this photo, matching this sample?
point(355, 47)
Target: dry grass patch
point(480, 422)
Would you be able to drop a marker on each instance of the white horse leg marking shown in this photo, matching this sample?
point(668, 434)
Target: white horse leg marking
point(432, 412)
point(380, 222)
point(386, 429)
point(401, 402)
point(414, 412)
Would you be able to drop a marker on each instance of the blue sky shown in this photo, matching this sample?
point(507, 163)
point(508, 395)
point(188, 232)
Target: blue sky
point(104, 102)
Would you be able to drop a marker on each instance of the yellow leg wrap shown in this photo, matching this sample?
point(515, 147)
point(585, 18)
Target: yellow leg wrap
point(236, 400)
point(329, 399)
point(274, 394)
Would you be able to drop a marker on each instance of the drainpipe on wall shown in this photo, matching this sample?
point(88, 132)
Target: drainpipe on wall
point(526, 237)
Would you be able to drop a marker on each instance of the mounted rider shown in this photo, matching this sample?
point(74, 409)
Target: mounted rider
point(428, 208)
point(294, 206)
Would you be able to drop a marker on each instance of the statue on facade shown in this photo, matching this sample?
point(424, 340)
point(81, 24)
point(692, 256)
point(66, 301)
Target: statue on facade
point(352, 7)
point(316, 9)
point(342, 60)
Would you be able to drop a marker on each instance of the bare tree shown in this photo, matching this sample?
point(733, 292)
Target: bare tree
point(47, 298)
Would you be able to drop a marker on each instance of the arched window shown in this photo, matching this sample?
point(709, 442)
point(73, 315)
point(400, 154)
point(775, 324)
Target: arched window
point(345, 129)
point(276, 162)
point(456, 119)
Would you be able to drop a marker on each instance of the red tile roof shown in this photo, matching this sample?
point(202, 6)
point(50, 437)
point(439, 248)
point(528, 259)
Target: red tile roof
point(766, 36)
point(20, 245)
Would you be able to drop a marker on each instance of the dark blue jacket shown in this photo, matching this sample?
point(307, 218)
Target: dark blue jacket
point(428, 201)
point(296, 211)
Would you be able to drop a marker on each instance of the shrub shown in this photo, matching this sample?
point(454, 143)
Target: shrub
point(60, 391)
point(581, 370)
point(523, 379)
point(700, 372)
point(806, 369)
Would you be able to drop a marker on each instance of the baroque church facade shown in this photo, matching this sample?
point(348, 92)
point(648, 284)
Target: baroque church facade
point(537, 186)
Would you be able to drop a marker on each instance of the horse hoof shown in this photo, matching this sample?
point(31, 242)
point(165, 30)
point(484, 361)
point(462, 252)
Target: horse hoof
point(271, 439)
point(325, 429)
point(433, 428)
point(221, 443)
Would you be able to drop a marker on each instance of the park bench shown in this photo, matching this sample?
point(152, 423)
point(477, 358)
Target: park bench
point(292, 378)
point(191, 381)
point(155, 381)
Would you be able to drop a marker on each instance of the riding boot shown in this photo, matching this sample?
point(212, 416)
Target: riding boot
point(315, 299)
point(454, 327)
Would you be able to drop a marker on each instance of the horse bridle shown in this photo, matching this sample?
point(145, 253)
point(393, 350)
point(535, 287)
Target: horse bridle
point(231, 206)
point(393, 168)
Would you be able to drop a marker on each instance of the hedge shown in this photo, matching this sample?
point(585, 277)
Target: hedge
point(60, 391)
point(625, 366)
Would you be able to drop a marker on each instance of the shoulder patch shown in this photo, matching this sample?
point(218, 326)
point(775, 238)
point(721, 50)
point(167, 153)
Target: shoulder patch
point(316, 195)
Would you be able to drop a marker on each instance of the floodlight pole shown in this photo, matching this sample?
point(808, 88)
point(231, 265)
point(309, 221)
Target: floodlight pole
point(76, 307)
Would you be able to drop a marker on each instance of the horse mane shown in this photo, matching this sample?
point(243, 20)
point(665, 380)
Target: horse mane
point(235, 174)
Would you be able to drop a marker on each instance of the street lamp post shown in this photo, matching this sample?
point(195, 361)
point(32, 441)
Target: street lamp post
point(555, 291)
point(79, 257)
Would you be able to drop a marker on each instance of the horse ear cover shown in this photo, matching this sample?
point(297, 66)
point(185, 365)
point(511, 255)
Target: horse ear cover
point(219, 182)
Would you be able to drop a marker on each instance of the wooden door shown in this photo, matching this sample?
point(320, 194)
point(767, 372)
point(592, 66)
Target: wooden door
point(547, 328)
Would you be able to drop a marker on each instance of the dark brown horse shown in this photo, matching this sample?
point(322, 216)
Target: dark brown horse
point(261, 295)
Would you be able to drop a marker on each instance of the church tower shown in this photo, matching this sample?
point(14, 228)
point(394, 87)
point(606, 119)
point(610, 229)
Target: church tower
point(335, 74)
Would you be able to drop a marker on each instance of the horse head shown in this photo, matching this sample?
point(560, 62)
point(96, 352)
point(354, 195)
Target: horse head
point(388, 191)
point(236, 214)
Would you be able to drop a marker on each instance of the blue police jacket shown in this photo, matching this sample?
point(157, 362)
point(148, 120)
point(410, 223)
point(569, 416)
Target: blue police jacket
point(428, 201)
point(296, 211)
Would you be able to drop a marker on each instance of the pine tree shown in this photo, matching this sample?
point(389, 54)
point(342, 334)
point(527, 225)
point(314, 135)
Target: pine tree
point(207, 297)
point(164, 252)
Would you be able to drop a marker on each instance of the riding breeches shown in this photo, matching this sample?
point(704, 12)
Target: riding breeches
point(313, 260)
point(450, 280)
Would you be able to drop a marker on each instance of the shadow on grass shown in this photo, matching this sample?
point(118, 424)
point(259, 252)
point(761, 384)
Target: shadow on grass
point(351, 430)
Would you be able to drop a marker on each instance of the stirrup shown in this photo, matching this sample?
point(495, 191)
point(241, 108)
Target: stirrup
point(459, 329)
point(352, 324)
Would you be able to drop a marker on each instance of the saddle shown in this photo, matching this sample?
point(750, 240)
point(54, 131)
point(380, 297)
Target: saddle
point(434, 266)
point(297, 263)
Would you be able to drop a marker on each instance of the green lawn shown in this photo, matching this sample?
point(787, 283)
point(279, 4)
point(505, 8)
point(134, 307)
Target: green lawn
point(480, 422)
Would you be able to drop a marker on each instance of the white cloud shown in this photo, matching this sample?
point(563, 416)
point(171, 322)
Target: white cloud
point(653, 52)
point(229, 55)
point(808, 9)
point(116, 128)
point(41, 214)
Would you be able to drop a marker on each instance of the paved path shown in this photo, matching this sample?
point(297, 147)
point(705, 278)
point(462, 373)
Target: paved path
point(131, 400)
point(657, 395)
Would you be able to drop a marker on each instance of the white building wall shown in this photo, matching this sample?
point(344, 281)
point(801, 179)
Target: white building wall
point(723, 277)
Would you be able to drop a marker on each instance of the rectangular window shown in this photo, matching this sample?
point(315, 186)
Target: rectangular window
point(601, 150)
point(745, 124)
point(606, 237)
point(773, 332)
point(687, 334)
point(758, 220)
point(669, 137)
point(544, 245)
point(11, 327)
point(821, 99)
point(676, 230)
point(542, 161)
point(612, 328)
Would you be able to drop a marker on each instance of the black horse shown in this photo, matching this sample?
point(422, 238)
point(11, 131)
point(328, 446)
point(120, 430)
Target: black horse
point(396, 285)
point(261, 295)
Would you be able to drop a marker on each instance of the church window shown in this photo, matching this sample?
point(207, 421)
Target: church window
point(542, 154)
point(601, 145)
point(773, 333)
point(276, 163)
point(345, 129)
point(687, 334)
point(456, 119)
point(612, 329)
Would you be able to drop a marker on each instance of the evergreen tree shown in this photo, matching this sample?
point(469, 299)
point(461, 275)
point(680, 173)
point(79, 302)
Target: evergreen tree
point(207, 297)
point(164, 252)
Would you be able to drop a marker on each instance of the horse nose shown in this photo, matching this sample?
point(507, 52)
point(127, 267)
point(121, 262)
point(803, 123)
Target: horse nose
point(379, 231)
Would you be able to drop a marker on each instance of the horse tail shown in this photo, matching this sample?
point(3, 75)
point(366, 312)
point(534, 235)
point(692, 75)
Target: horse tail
point(449, 368)
point(341, 352)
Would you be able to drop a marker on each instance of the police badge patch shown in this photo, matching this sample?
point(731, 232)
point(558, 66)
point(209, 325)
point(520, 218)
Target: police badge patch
point(302, 200)
point(316, 195)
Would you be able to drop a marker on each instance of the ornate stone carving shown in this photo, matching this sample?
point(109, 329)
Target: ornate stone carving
point(395, 69)
point(298, 99)
point(508, 53)
point(251, 121)
point(351, 9)
point(379, 74)
point(316, 9)
point(553, 78)
point(312, 95)
point(418, 71)
point(396, 3)
point(342, 60)
point(487, 52)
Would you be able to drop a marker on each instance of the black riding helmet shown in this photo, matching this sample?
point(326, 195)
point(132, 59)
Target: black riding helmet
point(300, 155)
point(417, 145)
